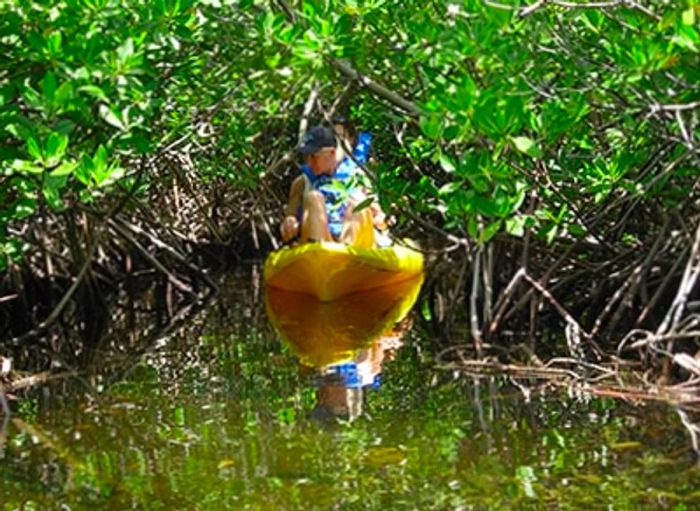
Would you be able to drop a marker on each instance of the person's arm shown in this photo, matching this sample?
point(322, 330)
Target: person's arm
point(290, 224)
point(379, 218)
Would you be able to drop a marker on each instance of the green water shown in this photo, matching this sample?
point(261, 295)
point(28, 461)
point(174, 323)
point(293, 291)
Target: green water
point(216, 415)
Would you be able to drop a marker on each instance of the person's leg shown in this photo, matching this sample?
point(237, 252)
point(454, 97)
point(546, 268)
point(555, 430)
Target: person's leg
point(357, 228)
point(314, 224)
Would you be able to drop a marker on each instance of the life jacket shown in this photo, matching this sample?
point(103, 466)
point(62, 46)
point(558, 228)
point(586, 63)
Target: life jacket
point(353, 375)
point(341, 185)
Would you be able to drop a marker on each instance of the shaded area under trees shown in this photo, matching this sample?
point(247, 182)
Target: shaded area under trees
point(545, 155)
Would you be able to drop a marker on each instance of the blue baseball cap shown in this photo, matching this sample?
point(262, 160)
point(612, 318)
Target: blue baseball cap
point(317, 138)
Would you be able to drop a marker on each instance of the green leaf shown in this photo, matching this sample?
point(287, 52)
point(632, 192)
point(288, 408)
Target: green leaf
point(485, 206)
point(446, 163)
point(485, 115)
point(111, 118)
point(425, 310)
point(25, 207)
point(550, 233)
point(526, 475)
point(103, 172)
point(64, 169)
point(686, 37)
point(688, 16)
point(527, 146)
point(363, 205)
point(95, 91)
point(85, 170)
point(140, 142)
point(49, 86)
point(54, 43)
point(63, 94)
point(26, 167)
point(56, 145)
point(515, 226)
point(577, 230)
point(450, 188)
point(126, 50)
point(100, 159)
point(490, 231)
point(451, 132)
point(473, 226)
point(34, 149)
point(430, 126)
point(51, 189)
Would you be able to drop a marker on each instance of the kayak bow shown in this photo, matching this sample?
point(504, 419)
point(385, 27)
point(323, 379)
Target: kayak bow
point(329, 270)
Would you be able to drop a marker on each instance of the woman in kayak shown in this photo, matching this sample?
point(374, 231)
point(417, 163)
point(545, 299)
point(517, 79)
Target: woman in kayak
point(322, 200)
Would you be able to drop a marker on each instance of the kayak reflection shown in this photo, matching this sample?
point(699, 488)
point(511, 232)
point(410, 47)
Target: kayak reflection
point(345, 340)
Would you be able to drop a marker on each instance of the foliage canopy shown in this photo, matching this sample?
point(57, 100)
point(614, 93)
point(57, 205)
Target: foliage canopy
point(557, 120)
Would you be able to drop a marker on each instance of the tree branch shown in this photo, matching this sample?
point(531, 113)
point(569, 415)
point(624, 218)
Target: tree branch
point(381, 91)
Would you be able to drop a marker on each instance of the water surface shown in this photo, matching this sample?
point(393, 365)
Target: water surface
point(218, 414)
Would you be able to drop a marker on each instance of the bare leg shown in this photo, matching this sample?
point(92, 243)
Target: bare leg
point(357, 228)
point(314, 224)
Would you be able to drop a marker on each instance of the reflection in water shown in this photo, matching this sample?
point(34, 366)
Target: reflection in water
point(346, 340)
point(692, 427)
point(341, 386)
point(209, 413)
point(5, 420)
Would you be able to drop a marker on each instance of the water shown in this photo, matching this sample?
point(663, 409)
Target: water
point(219, 414)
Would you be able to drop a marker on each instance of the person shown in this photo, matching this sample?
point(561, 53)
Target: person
point(359, 143)
point(336, 399)
point(322, 200)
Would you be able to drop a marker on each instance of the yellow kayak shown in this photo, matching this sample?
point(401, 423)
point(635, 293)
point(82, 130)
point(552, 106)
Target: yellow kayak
point(323, 333)
point(328, 270)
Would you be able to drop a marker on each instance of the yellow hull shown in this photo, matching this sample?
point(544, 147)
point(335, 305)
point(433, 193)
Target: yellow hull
point(328, 270)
